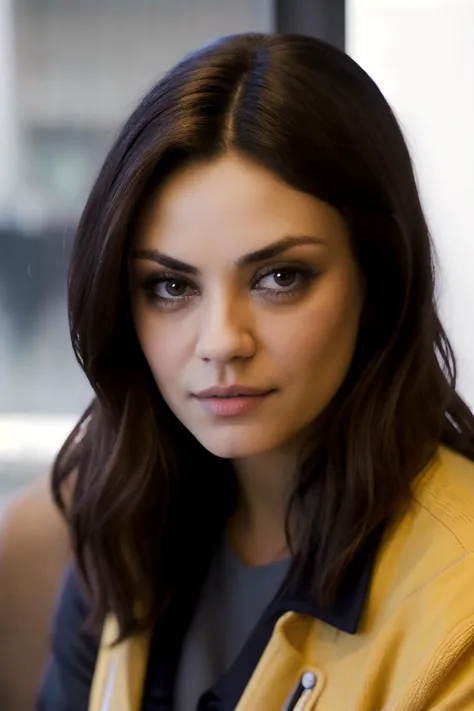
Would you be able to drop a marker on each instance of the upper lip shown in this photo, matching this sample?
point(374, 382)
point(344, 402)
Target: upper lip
point(233, 390)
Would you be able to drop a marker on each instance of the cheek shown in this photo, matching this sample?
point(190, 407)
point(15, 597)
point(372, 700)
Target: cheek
point(319, 340)
point(162, 346)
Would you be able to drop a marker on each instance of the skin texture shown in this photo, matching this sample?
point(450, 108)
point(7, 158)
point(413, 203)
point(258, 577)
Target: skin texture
point(286, 324)
point(222, 330)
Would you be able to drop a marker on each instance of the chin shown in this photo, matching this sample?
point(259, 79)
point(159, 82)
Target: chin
point(237, 445)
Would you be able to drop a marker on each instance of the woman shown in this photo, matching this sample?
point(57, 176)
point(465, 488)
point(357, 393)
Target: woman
point(274, 494)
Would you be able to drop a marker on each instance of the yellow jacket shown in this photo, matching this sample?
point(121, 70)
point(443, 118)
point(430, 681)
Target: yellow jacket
point(414, 648)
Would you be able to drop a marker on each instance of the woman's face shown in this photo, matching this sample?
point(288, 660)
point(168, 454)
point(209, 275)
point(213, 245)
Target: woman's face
point(245, 288)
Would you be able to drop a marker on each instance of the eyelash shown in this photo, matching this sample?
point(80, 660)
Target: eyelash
point(306, 275)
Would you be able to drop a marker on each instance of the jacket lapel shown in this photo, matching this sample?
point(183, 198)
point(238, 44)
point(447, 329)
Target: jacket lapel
point(282, 667)
point(120, 672)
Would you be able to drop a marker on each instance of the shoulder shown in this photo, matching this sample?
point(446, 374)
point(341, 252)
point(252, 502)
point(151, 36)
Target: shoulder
point(444, 495)
point(424, 574)
point(428, 550)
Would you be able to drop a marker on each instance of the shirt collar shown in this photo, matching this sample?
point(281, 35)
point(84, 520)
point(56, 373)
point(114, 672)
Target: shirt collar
point(346, 609)
point(344, 613)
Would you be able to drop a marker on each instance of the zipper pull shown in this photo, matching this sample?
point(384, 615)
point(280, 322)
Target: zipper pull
point(302, 692)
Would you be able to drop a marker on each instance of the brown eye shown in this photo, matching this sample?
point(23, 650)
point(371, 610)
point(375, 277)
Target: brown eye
point(284, 282)
point(284, 278)
point(280, 280)
point(166, 290)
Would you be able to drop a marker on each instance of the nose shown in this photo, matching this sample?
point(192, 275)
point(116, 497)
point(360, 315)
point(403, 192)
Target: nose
point(225, 332)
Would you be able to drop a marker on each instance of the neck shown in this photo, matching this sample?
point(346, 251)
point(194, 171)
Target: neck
point(257, 527)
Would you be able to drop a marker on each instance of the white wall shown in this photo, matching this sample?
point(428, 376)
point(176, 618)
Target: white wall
point(421, 54)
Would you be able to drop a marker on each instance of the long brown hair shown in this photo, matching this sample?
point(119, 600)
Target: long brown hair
point(148, 499)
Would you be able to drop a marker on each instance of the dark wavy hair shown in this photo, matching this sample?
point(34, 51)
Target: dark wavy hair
point(148, 501)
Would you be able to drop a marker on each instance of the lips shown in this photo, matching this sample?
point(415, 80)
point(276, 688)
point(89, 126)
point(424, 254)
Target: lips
point(234, 391)
point(233, 401)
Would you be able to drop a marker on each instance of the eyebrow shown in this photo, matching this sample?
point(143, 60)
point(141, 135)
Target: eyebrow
point(260, 255)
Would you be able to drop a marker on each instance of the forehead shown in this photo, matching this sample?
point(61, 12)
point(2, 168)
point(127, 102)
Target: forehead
point(229, 206)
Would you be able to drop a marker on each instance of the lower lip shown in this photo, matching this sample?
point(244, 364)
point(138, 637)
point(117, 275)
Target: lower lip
point(231, 406)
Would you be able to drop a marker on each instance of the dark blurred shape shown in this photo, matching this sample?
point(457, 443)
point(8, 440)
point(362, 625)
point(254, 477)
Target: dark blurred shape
point(32, 274)
point(324, 19)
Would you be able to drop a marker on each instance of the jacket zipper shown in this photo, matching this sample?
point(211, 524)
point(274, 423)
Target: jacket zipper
point(302, 693)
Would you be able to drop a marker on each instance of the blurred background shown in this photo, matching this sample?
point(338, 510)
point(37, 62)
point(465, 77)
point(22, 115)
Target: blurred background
point(72, 70)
